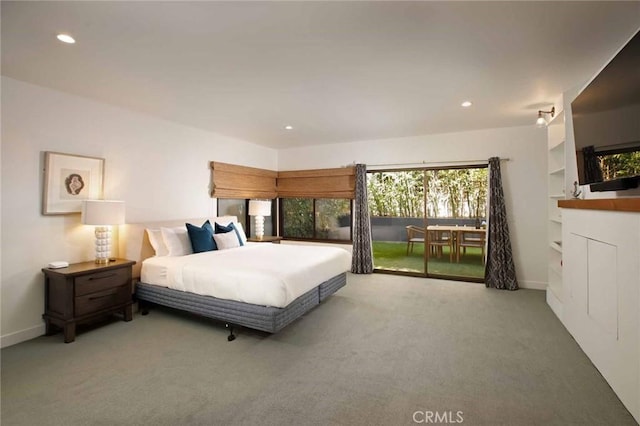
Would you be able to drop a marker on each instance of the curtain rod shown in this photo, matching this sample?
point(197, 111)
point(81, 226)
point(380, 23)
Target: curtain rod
point(433, 163)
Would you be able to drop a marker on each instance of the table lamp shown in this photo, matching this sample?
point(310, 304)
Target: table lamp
point(102, 214)
point(259, 209)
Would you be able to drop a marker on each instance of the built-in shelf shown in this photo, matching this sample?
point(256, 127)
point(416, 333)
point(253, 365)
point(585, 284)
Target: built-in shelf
point(615, 204)
point(556, 188)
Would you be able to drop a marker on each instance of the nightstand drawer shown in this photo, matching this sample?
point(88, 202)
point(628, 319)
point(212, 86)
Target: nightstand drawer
point(94, 302)
point(102, 281)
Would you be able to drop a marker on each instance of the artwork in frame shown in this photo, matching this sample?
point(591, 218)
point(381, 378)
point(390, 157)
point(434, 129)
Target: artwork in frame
point(69, 179)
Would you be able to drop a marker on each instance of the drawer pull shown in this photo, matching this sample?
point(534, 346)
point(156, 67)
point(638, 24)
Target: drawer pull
point(101, 297)
point(102, 277)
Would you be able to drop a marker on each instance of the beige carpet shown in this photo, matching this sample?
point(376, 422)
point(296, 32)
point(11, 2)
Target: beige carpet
point(377, 352)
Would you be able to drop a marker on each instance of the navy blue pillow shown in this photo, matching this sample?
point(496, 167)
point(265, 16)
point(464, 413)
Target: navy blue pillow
point(220, 229)
point(201, 237)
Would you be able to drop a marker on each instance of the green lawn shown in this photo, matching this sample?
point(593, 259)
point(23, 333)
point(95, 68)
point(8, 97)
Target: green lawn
point(393, 256)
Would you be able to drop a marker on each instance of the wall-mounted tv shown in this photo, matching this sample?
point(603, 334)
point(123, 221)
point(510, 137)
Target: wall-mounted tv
point(606, 124)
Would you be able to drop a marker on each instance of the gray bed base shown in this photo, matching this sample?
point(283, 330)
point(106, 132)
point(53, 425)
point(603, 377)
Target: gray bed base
point(264, 318)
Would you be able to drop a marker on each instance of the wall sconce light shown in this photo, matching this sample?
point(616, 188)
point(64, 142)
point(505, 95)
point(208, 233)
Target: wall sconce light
point(259, 209)
point(102, 214)
point(541, 122)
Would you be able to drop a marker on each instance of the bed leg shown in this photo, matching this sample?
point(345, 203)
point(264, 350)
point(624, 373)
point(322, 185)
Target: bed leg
point(143, 308)
point(231, 337)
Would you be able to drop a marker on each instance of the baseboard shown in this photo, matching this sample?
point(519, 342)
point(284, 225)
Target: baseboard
point(21, 336)
point(554, 303)
point(533, 285)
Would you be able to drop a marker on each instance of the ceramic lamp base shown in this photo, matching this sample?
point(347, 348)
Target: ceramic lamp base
point(103, 244)
point(259, 227)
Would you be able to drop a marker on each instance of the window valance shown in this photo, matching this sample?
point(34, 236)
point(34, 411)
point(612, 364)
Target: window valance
point(232, 181)
point(320, 183)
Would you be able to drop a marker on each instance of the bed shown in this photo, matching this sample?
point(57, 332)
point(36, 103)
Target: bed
point(259, 285)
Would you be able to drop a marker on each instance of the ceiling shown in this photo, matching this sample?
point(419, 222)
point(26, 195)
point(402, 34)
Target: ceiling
point(335, 71)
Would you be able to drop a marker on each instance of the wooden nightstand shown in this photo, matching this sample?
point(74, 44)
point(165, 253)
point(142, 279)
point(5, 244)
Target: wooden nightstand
point(266, 239)
point(84, 291)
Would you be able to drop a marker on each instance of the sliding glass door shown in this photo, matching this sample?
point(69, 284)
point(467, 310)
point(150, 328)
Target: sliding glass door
point(456, 217)
point(396, 207)
point(429, 222)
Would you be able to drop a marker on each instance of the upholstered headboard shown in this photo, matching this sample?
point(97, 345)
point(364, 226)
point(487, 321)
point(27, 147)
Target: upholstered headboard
point(134, 242)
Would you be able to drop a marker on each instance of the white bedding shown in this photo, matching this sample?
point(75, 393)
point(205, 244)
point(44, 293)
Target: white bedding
point(260, 273)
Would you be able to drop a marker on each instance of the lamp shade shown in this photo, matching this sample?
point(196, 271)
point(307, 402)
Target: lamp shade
point(259, 208)
point(102, 212)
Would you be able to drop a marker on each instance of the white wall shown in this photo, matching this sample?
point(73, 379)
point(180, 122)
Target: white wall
point(159, 168)
point(524, 177)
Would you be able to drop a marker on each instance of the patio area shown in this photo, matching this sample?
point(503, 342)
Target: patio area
point(392, 256)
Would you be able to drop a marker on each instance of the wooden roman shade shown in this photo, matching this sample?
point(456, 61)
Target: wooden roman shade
point(323, 183)
point(231, 181)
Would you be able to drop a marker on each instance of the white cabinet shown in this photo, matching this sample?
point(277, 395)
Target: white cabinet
point(556, 190)
point(601, 300)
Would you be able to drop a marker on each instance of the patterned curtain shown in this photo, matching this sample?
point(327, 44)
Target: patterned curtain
point(500, 270)
point(592, 170)
point(362, 259)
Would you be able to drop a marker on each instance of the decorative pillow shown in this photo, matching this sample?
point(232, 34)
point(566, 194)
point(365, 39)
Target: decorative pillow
point(177, 241)
point(221, 229)
point(226, 240)
point(201, 237)
point(155, 238)
point(240, 230)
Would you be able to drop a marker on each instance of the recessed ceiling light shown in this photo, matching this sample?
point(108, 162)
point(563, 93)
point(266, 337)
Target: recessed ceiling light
point(466, 104)
point(65, 38)
point(288, 127)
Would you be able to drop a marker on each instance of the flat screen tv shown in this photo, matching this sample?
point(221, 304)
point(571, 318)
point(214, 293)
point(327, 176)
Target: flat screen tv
point(606, 124)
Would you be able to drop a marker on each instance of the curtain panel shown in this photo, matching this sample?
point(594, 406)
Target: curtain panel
point(362, 259)
point(500, 271)
point(592, 170)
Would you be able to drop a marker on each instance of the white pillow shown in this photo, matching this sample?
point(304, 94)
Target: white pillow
point(177, 241)
point(226, 240)
point(155, 238)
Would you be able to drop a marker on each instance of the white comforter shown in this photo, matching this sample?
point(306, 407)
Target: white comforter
point(260, 273)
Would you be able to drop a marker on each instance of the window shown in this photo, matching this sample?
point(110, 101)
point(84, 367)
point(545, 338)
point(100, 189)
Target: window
point(233, 207)
point(239, 207)
point(442, 208)
point(316, 219)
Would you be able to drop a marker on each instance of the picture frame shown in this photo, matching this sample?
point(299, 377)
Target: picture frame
point(69, 179)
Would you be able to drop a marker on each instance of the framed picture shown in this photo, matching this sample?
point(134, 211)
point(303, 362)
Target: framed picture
point(69, 179)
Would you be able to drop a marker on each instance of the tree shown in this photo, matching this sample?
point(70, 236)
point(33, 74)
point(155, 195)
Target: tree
point(297, 216)
point(620, 165)
point(449, 193)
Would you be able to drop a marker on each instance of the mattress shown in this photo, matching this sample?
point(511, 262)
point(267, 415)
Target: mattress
point(260, 274)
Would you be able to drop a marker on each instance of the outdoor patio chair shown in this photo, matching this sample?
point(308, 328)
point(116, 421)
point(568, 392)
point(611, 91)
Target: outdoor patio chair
point(471, 238)
point(439, 239)
point(415, 234)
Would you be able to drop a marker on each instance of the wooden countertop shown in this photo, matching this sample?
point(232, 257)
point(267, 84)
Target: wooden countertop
point(611, 204)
